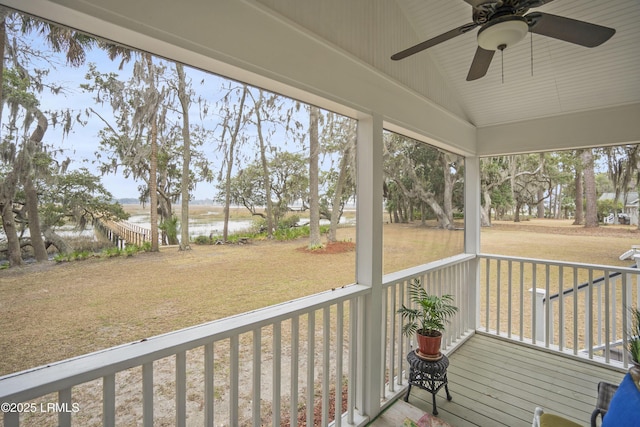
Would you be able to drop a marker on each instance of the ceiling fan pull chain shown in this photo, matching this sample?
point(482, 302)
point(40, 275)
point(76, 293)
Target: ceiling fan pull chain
point(502, 63)
point(531, 54)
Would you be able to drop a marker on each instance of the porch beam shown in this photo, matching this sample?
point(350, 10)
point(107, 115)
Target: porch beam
point(595, 128)
point(369, 259)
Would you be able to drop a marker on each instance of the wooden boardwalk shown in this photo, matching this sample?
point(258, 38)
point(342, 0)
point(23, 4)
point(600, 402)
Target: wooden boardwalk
point(499, 383)
point(122, 233)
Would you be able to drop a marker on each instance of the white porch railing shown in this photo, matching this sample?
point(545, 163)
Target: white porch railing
point(448, 276)
point(274, 366)
point(581, 309)
point(300, 360)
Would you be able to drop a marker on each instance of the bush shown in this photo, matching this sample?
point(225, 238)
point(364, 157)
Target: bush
point(203, 240)
point(289, 222)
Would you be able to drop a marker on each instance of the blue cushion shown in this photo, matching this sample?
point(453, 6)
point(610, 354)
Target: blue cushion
point(624, 409)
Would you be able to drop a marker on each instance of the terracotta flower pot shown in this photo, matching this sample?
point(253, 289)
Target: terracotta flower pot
point(429, 345)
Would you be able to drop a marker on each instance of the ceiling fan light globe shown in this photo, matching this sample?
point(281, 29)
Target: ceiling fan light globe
point(502, 34)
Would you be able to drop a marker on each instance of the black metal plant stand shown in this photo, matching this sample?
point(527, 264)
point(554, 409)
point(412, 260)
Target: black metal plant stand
point(429, 375)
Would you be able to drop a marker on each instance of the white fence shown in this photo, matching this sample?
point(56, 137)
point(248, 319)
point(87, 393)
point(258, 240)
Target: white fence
point(574, 308)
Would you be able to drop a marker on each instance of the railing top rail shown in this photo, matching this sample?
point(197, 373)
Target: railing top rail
point(26, 385)
point(409, 273)
point(618, 269)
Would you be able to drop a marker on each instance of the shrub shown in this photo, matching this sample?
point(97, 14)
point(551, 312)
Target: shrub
point(202, 240)
point(289, 222)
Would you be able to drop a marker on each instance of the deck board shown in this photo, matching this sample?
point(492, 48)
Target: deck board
point(499, 383)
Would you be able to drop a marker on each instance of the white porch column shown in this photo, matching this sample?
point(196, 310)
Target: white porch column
point(472, 233)
point(369, 260)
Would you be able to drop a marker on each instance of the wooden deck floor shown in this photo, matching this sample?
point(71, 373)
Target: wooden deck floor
point(498, 383)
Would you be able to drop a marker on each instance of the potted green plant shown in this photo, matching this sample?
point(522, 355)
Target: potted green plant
point(426, 318)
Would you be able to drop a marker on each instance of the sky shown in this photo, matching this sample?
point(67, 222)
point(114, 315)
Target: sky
point(82, 141)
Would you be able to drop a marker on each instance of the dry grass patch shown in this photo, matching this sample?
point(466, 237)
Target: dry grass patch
point(53, 311)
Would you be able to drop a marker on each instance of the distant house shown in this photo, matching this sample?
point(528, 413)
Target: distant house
point(630, 202)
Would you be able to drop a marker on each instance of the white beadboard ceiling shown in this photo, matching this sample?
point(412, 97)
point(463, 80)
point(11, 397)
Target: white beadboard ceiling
point(566, 77)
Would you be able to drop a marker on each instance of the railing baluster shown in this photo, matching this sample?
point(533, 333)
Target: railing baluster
point(209, 395)
point(64, 416)
point(295, 342)
point(498, 295)
point(599, 315)
point(109, 400)
point(488, 294)
point(509, 296)
point(354, 315)
point(339, 359)
point(626, 318)
point(607, 324)
point(11, 419)
point(392, 342)
point(521, 300)
point(548, 331)
point(277, 372)
point(613, 298)
point(234, 372)
point(576, 344)
point(384, 340)
point(589, 316)
point(311, 326)
point(326, 378)
point(181, 389)
point(147, 394)
point(534, 271)
point(401, 341)
point(561, 308)
point(257, 377)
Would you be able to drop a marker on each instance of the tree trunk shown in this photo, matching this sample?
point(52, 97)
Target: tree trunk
point(540, 205)
point(449, 180)
point(265, 169)
point(57, 241)
point(10, 230)
point(485, 210)
point(185, 101)
point(37, 242)
point(230, 160)
point(336, 202)
point(591, 219)
point(314, 202)
point(579, 196)
point(153, 185)
point(26, 170)
point(153, 161)
point(3, 39)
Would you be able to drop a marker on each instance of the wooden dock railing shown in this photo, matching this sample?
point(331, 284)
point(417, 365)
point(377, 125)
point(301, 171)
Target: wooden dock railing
point(122, 233)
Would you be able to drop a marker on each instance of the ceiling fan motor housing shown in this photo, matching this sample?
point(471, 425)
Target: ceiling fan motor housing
point(502, 32)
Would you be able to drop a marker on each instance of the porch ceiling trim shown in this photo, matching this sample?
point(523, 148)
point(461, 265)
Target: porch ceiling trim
point(611, 126)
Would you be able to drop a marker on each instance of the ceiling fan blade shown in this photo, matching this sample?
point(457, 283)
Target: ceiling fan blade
point(434, 41)
point(569, 30)
point(480, 65)
point(476, 3)
point(537, 3)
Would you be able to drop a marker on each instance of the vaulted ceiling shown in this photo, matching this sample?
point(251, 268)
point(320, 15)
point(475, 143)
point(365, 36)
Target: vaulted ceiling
point(542, 76)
